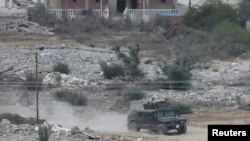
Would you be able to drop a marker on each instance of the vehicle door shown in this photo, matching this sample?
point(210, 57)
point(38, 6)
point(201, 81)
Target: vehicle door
point(146, 120)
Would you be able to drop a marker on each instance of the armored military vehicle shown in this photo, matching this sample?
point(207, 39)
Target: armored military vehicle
point(158, 117)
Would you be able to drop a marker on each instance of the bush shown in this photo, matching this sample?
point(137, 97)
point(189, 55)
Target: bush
point(41, 15)
point(133, 94)
point(189, 19)
point(131, 62)
point(232, 32)
point(209, 14)
point(82, 24)
point(179, 73)
point(43, 133)
point(154, 23)
point(74, 97)
point(230, 39)
point(181, 108)
point(30, 81)
point(61, 67)
point(111, 71)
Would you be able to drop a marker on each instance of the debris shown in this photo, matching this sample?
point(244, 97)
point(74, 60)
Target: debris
point(57, 128)
point(91, 136)
point(6, 70)
point(177, 30)
point(5, 121)
point(25, 26)
point(247, 107)
point(52, 79)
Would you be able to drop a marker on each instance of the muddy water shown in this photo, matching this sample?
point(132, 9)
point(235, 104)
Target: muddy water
point(63, 113)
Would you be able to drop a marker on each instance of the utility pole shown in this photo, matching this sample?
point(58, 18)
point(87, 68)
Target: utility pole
point(101, 6)
point(189, 4)
point(37, 100)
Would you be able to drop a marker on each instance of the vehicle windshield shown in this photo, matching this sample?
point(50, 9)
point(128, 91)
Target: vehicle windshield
point(165, 114)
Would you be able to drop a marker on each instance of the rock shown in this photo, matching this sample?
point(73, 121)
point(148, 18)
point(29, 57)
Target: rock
point(88, 130)
point(5, 121)
point(36, 128)
point(152, 71)
point(75, 130)
point(52, 79)
point(247, 107)
point(215, 68)
point(56, 128)
point(139, 139)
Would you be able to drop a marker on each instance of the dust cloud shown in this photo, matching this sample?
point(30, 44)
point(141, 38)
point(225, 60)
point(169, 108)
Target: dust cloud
point(62, 113)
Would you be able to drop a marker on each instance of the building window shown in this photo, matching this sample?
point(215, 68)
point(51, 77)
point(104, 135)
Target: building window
point(163, 1)
point(74, 0)
point(97, 1)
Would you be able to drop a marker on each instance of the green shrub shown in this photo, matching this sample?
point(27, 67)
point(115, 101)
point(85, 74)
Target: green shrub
point(133, 94)
point(61, 67)
point(179, 73)
point(111, 71)
point(74, 97)
point(209, 14)
point(43, 133)
point(230, 39)
point(131, 62)
point(181, 108)
point(30, 81)
point(189, 19)
point(232, 32)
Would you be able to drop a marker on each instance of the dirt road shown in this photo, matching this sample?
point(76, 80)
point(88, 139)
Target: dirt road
point(194, 134)
point(111, 123)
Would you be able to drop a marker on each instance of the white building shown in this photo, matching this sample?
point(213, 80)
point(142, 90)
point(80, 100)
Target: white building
point(182, 5)
point(200, 2)
point(3, 3)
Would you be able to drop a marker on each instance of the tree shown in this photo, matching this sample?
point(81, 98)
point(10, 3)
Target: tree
point(209, 14)
point(244, 11)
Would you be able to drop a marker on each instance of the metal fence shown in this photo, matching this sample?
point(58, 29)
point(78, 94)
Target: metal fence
point(153, 12)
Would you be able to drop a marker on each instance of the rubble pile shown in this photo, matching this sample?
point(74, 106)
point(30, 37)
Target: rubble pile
point(25, 26)
point(207, 84)
point(23, 3)
point(27, 132)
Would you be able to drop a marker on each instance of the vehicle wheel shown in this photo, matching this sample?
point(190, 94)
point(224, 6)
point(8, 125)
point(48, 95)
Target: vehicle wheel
point(163, 130)
point(133, 127)
point(182, 129)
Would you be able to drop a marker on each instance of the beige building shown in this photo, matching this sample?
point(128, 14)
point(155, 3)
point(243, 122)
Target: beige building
point(54, 4)
point(116, 6)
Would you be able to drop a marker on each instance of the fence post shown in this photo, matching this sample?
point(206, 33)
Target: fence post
point(37, 100)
